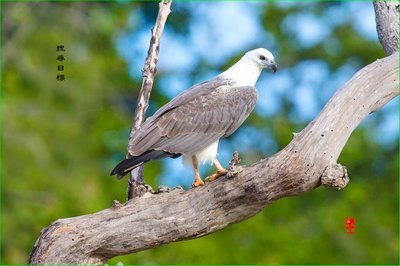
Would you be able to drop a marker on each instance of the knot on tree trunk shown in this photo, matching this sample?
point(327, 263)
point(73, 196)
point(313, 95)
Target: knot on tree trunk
point(137, 190)
point(335, 175)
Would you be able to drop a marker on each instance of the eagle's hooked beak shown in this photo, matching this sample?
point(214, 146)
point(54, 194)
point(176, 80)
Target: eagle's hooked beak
point(274, 67)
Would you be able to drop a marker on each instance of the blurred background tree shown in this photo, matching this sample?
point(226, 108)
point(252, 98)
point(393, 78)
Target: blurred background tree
point(61, 139)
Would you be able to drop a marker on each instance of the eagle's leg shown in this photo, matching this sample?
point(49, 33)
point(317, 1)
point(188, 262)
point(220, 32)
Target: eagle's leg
point(220, 171)
point(197, 180)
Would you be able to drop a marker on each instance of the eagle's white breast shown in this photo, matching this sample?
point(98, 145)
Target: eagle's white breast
point(209, 154)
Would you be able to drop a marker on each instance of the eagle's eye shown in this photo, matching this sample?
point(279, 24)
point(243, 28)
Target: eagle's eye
point(262, 57)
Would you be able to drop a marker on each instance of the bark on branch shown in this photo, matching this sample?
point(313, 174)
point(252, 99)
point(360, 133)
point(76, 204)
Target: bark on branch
point(156, 219)
point(387, 24)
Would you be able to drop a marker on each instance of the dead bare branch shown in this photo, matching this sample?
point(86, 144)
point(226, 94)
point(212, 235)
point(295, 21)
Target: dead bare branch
point(136, 182)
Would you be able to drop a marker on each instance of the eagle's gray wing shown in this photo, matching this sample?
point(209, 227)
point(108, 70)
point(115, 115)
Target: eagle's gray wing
point(190, 123)
point(192, 93)
point(191, 127)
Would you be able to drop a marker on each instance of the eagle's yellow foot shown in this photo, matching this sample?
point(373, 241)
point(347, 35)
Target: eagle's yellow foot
point(216, 175)
point(197, 182)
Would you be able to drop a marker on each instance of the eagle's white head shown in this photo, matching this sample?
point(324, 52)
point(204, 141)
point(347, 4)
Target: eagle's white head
point(261, 57)
point(247, 70)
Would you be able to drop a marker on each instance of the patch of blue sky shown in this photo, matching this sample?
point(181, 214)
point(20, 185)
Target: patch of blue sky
point(177, 173)
point(336, 15)
point(270, 90)
point(312, 71)
point(172, 85)
point(200, 77)
point(309, 30)
point(249, 139)
point(311, 77)
point(363, 18)
point(220, 29)
point(225, 151)
point(132, 46)
point(268, 41)
point(305, 104)
point(268, 102)
point(387, 133)
point(336, 80)
point(176, 56)
point(279, 82)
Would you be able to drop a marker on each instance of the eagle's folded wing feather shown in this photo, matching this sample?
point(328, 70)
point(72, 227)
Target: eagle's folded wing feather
point(196, 124)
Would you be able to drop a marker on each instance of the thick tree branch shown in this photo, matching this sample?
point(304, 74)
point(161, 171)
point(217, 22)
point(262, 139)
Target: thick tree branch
point(156, 219)
point(387, 24)
point(136, 182)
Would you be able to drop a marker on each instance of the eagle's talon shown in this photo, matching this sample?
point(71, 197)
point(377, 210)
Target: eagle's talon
point(198, 182)
point(216, 175)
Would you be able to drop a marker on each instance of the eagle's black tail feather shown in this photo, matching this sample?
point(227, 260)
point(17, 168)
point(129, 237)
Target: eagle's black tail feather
point(131, 163)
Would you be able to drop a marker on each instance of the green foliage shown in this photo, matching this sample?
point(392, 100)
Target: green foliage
point(61, 139)
point(57, 136)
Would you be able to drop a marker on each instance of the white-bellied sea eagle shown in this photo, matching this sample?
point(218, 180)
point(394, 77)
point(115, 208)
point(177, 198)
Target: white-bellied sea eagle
point(192, 123)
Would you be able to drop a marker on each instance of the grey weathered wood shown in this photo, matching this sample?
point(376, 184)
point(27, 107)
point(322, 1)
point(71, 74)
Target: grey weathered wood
point(136, 182)
point(156, 219)
point(387, 24)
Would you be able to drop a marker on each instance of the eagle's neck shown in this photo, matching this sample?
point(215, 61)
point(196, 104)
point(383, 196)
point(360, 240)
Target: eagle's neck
point(243, 73)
